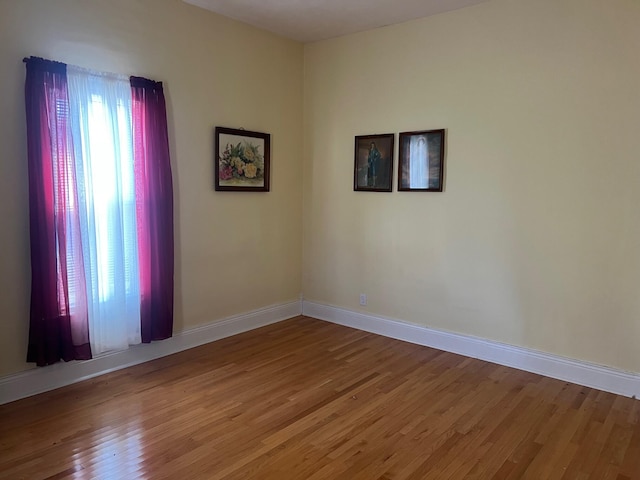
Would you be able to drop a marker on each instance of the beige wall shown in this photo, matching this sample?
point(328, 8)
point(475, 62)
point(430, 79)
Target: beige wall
point(234, 252)
point(536, 239)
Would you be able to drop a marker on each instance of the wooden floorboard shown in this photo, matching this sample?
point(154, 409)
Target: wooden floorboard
point(306, 399)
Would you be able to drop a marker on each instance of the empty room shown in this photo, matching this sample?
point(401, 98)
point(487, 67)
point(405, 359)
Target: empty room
point(353, 240)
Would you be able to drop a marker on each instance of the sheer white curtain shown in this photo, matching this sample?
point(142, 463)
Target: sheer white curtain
point(101, 111)
point(418, 162)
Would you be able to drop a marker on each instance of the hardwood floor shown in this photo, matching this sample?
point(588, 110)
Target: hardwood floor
point(305, 399)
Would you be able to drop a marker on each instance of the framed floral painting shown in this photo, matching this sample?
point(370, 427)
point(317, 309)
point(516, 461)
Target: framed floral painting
point(242, 160)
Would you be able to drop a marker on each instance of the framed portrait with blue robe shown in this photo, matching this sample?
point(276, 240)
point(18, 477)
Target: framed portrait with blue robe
point(373, 163)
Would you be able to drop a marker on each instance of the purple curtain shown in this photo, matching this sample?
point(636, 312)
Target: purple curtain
point(154, 208)
point(58, 321)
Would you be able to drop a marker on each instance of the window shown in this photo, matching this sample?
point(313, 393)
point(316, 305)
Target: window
point(101, 209)
point(100, 117)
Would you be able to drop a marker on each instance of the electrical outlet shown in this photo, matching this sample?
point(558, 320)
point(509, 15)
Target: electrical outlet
point(363, 299)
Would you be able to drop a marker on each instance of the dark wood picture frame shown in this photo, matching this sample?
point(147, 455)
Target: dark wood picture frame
point(373, 163)
point(242, 160)
point(421, 156)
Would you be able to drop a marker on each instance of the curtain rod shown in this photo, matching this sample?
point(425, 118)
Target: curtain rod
point(154, 82)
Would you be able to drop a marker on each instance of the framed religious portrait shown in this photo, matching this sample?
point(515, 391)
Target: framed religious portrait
point(421, 161)
point(242, 160)
point(373, 163)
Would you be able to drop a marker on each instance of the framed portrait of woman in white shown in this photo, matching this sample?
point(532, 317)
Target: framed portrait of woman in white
point(421, 161)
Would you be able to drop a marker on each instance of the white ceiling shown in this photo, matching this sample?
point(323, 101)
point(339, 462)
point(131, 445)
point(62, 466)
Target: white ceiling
point(312, 20)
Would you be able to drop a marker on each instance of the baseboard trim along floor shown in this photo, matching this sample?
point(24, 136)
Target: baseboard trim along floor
point(38, 380)
point(554, 366)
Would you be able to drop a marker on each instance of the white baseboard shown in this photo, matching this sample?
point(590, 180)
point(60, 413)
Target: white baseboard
point(574, 371)
point(38, 380)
